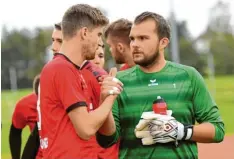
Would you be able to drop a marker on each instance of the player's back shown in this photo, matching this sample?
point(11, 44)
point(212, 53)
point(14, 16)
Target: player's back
point(60, 81)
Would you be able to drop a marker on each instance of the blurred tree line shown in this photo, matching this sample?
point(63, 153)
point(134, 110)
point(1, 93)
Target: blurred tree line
point(24, 50)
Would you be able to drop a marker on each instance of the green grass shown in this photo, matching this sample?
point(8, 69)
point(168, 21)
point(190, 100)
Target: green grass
point(8, 102)
point(224, 97)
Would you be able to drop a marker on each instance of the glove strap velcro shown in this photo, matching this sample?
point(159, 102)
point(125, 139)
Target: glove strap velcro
point(188, 132)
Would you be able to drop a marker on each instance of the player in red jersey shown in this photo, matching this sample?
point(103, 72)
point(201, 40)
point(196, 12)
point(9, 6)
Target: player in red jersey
point(113, 151)
point(57, 38)
point(99, 59)
point(64, 122)
point(25, 114)
point(117, 37)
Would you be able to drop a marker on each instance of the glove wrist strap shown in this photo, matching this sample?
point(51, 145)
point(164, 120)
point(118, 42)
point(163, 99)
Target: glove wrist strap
point(188, 132)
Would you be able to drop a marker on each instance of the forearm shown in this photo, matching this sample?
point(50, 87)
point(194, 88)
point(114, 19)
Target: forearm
point(98, 116)
point(108, 127)
point(32, 145)
point(109, 132)
point(15, 142)
point(207, 133)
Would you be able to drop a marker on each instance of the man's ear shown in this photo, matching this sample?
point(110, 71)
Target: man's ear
point(120, 48)
point(84, 33)
point(163, 43)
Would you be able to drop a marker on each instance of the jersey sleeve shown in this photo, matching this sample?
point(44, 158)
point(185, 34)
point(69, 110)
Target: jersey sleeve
point(96, 71)
point(19, 119)
point(108, 141)
point(206, 110)
point(70, 87)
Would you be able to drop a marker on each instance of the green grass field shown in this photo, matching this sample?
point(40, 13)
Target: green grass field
point(224, 97)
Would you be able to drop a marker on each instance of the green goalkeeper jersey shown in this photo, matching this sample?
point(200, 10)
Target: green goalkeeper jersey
point(185, 93)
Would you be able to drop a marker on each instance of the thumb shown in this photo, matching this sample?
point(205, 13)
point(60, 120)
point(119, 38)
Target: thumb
point(113, 71)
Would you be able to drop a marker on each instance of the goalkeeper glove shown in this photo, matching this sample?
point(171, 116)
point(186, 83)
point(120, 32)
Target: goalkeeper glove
point(167, 129)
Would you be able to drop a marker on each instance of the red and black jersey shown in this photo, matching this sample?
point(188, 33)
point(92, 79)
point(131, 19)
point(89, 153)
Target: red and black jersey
point(25, 112)
point(62, 88)
point(91, 74)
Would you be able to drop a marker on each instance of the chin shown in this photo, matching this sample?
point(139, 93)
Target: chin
point(138, 60)
point(90, 57)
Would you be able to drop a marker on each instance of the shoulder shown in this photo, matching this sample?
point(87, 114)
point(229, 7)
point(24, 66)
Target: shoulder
point(127, 74)
point(59, 66)
point(188, 70)
point(26, 101)
point(97, 71)
point(93, 69)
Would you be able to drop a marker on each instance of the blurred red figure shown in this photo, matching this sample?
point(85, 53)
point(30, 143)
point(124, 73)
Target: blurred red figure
point(25, 114)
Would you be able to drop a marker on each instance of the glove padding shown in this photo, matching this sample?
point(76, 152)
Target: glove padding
point(164, 130)
point(156, 128)
point(142, 128)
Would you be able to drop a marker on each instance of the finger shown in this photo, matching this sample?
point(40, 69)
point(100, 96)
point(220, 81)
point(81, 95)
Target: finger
point(113, 92)
point(142, 124)
point(147, 141)
point(112, 84)
point(112, 79)
point(156, 133)
point(155, 127)
point(113, 71)
point(117, 81)
point(142, 134)
point(157, 122)
point(114, 87)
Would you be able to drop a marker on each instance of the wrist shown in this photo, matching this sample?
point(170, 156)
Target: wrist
point(188, 132)
point(185, 132)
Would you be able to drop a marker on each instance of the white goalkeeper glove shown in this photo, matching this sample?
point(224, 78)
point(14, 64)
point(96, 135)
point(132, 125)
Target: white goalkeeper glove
point(167, 129)
point(156, 128)
point(141, 130)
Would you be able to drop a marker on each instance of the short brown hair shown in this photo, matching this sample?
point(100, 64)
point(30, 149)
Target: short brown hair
point(162, 26)
point(36, 83)
point(81, 15)
point(120, 28)
point(58, 26)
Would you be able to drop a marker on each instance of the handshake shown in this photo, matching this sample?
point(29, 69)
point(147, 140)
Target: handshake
point(156, 128)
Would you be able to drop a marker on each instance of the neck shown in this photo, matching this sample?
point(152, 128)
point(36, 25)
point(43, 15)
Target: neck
point(129, 59)
point(72, 51)
point(156, 66)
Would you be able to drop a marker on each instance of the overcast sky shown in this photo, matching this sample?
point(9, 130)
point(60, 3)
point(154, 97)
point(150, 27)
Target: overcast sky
point(31, 13)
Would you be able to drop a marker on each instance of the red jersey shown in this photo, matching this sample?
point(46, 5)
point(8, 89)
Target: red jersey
point(91, 74)
point(94, 69)
point(124, 67)
point(62, 88)
point(25, 112)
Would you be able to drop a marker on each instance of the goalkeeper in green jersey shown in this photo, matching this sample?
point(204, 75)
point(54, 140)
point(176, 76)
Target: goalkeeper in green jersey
point(145, 135)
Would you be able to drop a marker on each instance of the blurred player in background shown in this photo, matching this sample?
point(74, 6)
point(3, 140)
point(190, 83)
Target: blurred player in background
point(117, 37)
point(99, 59)
point(25, 114)
point(57, 38)
point(183, 89)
